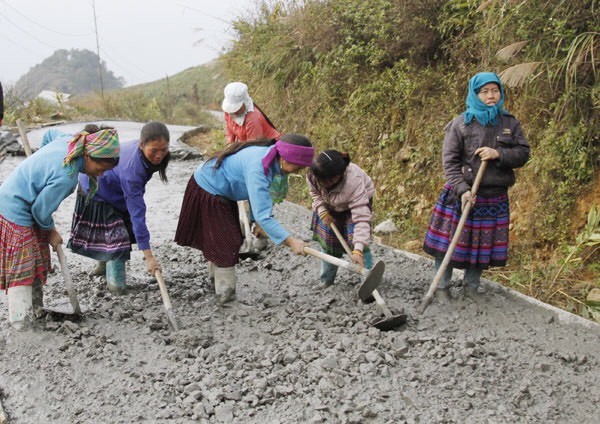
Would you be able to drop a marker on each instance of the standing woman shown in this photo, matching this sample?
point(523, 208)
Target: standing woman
point(255, 171)
point(483, 132)
point(28, 197)
point(105, 227)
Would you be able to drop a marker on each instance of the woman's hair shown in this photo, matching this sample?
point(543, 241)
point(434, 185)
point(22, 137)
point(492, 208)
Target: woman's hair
point(154, 131)
point(296, 139)
point(93, 128)
point(329, 164)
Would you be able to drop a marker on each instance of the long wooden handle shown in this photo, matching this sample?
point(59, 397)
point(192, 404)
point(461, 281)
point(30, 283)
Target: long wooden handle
point(68, 280)
point(24, 139)
point(341, 239)
point(163, 290)
point(455, 238)
point(336, 261)
point(166, 300)
point(244, 216)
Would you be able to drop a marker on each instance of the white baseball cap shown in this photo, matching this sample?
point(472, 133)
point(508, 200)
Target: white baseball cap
point(236, 95)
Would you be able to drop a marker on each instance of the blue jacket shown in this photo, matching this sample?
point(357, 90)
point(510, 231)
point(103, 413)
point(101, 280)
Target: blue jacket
point(35, 189)
point(241, 177)
point(124, 187)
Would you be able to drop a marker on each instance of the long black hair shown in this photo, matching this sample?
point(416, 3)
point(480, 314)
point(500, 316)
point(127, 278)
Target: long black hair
point(297, 139)
point(154, 131)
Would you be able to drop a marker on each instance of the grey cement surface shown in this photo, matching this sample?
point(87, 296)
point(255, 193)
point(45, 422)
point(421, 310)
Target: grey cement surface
point(286, 351)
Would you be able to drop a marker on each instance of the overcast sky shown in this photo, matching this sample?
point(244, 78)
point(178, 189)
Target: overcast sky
point(140, 40)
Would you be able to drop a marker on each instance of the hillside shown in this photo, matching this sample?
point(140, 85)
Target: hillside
point(382, 78)
point(68, 71)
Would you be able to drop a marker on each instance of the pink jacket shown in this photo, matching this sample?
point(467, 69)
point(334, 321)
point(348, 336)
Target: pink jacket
point(352, 193)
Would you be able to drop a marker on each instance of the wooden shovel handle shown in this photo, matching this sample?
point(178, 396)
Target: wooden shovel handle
point(24, 139)
point(68, 280)
point(163, 289)
point(341, 239)
point(336, 261)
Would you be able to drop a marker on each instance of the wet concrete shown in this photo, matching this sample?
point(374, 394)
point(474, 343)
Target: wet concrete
point(286, 351)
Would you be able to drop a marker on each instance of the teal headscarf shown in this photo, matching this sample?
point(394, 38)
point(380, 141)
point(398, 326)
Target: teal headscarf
point(476, 108)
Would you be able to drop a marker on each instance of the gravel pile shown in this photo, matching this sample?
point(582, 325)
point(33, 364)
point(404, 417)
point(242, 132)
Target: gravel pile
point(286, 351)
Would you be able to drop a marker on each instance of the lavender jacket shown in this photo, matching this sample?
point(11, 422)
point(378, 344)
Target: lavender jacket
point(353, 193)
point(124, 187)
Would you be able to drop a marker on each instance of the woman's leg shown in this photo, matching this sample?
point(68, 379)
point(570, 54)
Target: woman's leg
point(446, 277)
point(116, 276)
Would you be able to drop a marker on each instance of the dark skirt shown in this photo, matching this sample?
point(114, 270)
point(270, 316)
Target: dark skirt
point(24, 254)
point(484, 238)
point(211, 224)
point(327, 238)
point(100, 231)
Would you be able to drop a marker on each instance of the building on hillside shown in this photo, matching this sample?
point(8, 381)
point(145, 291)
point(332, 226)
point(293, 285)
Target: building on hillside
point(54, 97)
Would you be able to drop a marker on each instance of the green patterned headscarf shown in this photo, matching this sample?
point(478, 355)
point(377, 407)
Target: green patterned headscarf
point(103, 144)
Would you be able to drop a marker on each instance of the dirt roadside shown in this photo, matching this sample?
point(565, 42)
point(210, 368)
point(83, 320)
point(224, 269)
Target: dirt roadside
point(286, 352)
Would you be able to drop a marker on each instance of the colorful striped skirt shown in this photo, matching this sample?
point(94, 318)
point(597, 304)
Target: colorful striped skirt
point(100, 231)
point(24, 254)
point(484, 238)
point(327, 238)
point(211, 224)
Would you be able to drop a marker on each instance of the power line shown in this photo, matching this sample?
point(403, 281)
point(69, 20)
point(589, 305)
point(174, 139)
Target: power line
point(18, 45)
point(45, 27)
point(27, 33)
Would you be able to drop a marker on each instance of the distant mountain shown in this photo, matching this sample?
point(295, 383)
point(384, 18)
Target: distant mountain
point(68, 71)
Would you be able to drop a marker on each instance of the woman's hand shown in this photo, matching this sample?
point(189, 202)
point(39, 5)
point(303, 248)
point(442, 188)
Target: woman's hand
point(357, 258)
point(487, 153)
point(151, 263)
point(54, 239)
point(296, 245)
point(465, 198)
point(326, 218)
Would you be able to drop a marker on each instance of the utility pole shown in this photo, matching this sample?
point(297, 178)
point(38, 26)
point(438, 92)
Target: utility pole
point(98, 50)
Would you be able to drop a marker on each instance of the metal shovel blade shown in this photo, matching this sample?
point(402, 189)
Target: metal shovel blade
point(387, 324)
point(64, 307)
point(372, 281)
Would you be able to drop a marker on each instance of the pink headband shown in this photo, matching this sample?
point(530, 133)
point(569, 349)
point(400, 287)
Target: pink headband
point(292, 153)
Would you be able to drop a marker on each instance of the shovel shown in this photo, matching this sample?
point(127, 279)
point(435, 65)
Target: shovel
point(454, 242)
point(247, 250)
point(166, 300)
point(372, 277)
point(390, 321)
point(61, 307)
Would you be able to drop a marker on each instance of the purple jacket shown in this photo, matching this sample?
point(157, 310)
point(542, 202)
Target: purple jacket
point(353, 193)
point(124, 187)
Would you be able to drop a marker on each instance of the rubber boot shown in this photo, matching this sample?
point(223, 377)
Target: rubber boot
point(446, 279)
point(37, 298)
point(100, 270)
point(115, 277)
point(472, 284)
point(20, 307)
point(328, 273)
point(225, 281)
